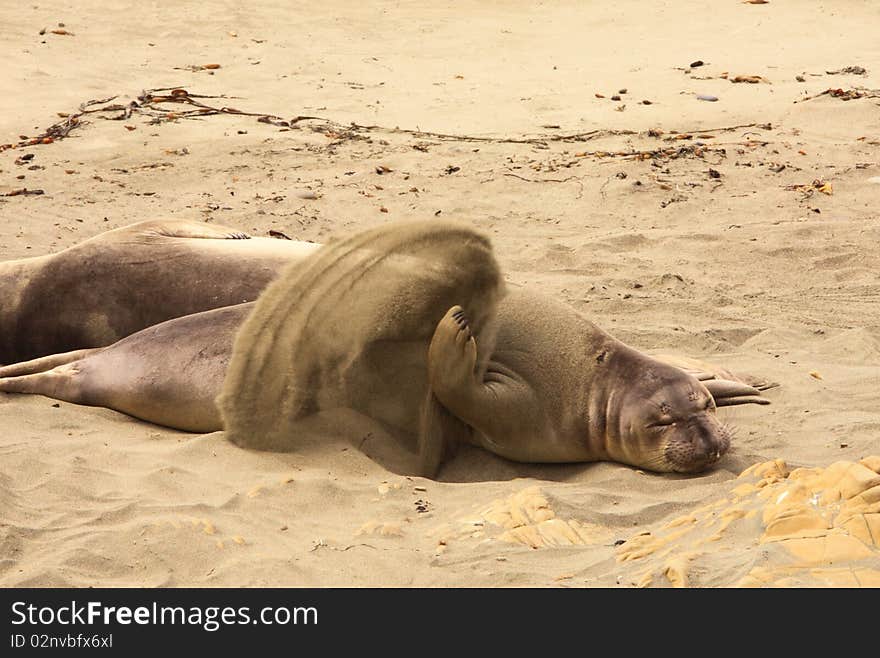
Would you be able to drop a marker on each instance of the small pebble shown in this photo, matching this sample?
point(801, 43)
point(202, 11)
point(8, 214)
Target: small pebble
point(707, 97)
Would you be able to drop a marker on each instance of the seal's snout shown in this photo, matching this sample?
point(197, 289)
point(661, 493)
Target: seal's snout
point(698, 445)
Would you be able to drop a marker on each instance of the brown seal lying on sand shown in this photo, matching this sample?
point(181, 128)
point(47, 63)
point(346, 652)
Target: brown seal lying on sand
point(128, 279)
point(411, 325)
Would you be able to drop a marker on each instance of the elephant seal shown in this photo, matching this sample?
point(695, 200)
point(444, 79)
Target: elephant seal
point(124, 280)
point(577, 394)
point(412, 326)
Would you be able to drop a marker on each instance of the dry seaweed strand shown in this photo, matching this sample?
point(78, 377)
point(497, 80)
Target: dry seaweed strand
point(844, 94)
point(70, 122)
point(152, 98)
point(153, 103)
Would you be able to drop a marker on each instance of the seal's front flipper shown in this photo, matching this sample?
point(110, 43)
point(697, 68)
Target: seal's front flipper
point(452, 360)
point(487, 405)
point(452, 356)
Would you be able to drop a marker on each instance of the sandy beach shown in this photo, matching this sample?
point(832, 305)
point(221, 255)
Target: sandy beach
point(583, 139)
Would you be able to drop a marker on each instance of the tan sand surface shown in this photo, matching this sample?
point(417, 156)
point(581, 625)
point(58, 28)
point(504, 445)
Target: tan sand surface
point(742, 231)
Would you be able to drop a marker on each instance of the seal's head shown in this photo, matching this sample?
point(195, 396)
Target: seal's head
point(666, 421)
point(683, 418)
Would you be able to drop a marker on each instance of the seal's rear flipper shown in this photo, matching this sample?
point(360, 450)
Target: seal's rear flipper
point(45, 363)
point(757, 382)
point(726, 387)
point(175, 228)
point(60, 383)
point(190, 229)
point(729, 393)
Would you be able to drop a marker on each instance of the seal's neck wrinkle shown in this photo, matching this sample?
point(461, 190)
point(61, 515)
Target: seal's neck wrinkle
point(606, 426)
point(621, 442)
point(618, 432)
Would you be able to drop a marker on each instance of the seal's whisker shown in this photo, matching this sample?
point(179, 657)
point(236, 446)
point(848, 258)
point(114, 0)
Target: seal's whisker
point(729, 431)
point(656, 460)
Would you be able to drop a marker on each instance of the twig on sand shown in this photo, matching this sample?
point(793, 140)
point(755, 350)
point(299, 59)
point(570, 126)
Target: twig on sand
point(542, 180)
point(574, 137)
